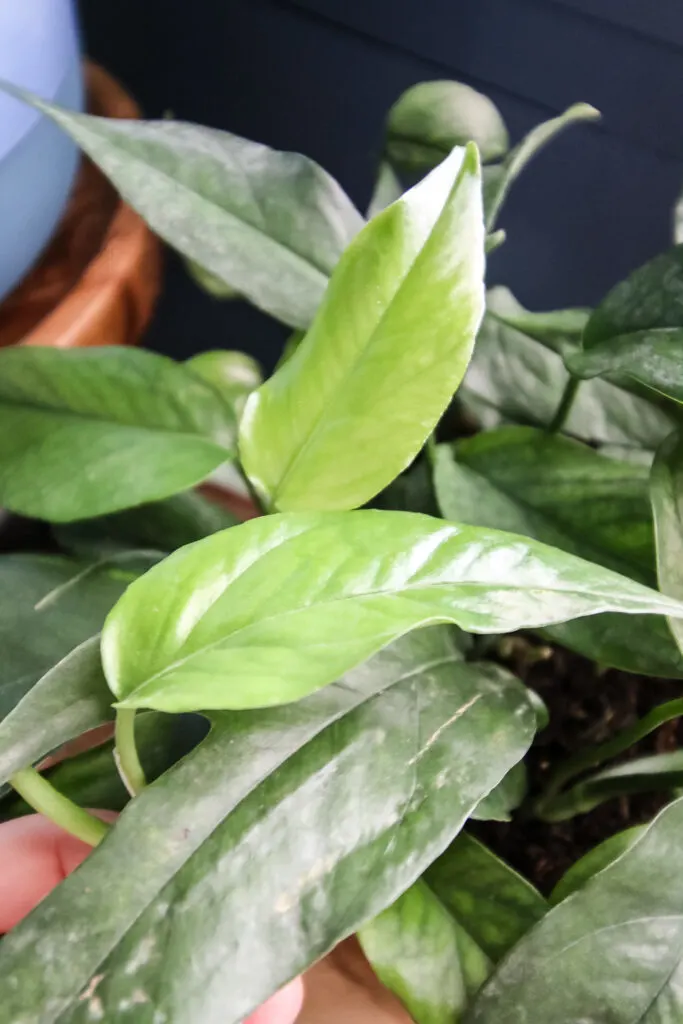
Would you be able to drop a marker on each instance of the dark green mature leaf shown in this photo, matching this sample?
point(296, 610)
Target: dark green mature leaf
point(514, 378)
point(594, 861)
point(656, 773)
point(643, 644)
point(273, 609)
point(612, 952)
point(87, 432)
point(91, 778)
point(48, 606)
point(651, 297)
point(494, 904)
point(162, 525)
point(357, 400)
point(553, 489)
point(271, 225)
point(420, 952)
point(666, 489)
point(581, 502)
point(219, 860)
point(430, 118)
point(70, 698)
point(653, 357)
point(531, 144)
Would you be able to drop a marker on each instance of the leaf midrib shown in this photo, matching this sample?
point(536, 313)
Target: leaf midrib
point(342, 385)
point(36, 407)
point(436, 620)
point(304, 260)
point(453, 657)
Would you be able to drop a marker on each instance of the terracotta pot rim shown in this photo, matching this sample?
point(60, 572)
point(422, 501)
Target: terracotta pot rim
point(128, 245)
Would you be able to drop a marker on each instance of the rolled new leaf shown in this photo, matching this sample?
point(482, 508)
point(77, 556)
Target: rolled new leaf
point(611, 952)
point(267, 612)
point(255, 855)
point(270, 225)
point(390, 344)
point(431, 118)
point(85, 433)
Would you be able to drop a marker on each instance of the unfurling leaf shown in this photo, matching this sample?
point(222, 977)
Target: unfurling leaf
point(85, 433)
point(357, 400)
point(431, 118)
point(517, 159)
point(219, 858)
point(271, 610)
point(270, 225)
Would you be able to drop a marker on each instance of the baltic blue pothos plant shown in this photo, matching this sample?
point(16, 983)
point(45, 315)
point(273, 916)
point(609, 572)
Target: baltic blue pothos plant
point(356, 725)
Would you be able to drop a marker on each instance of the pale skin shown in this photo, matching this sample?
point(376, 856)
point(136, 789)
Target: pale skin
point(36, 855)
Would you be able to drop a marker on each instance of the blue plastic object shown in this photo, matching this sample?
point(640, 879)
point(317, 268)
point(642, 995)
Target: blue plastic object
point(39, 50)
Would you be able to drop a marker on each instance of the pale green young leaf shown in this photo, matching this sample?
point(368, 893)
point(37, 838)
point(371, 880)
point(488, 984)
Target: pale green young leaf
point(271, 610)
point(595, 860)
point(357, 400)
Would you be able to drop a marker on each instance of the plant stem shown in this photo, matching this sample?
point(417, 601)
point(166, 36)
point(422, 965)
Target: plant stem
point(564, 408)
point(126, 752)
point(584, 760)
point(44, 798)
point(430, 449)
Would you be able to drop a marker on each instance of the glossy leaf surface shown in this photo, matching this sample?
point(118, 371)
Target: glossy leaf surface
point(270, 610)
point(491, 901)
point(515, 378)
point(419, 951)
point(666, 488)
point(526, 150)
point(219, 858)
point(612, 952)
point(162, 526)
point(651, 297)
point(553, 489)
point(84, 433)
point(652, 357)
point(595, 860)
point(69, 699)
point(48, 606)
point(581, 502)
point(430, 118)
point(270, 225)
point(391, 342)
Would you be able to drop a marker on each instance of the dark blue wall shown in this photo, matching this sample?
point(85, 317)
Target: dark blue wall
point(318, 76)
